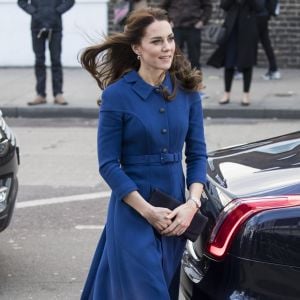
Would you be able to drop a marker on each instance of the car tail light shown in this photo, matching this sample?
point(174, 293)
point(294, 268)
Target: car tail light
point(235, 214)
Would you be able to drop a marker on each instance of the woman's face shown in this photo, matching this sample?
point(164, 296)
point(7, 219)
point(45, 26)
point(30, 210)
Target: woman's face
point(157, 47)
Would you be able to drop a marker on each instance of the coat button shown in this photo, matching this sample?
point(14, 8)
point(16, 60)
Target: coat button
point(162, 110)
point(164, 150)
point(164, 130)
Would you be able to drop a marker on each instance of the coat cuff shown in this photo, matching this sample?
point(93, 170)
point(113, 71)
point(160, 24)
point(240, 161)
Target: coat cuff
point(124, 190)
point(202, 180)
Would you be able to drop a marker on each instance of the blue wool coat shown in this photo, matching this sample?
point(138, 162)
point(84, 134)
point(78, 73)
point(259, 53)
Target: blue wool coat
point(140, 141)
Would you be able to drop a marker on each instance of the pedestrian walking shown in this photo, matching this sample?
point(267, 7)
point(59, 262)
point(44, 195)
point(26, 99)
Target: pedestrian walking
point(263, 19)
point(46, 27)
point(188, 18)
point(151, 106)
point(238, 51)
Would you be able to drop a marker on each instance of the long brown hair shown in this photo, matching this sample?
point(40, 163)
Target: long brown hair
point(112, 58)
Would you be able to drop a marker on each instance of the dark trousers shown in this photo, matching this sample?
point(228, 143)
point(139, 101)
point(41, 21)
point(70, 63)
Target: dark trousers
point(191, 37)
point(247, 78)
point(264, 38)
point(54, 39)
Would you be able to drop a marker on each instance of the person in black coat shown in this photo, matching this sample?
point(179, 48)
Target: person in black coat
point(238, 51)
point(46, 24)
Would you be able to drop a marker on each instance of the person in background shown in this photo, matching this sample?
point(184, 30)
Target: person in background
point(138, 4)
point(188, 18)
point(151, 107)
point(122, 9)
point(263, 31)
point(46, 25)
point(240, 46)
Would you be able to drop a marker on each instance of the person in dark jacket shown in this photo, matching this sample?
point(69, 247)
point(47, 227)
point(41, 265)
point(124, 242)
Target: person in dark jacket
point(238, 51)
point(188, 17)
point(46, 25)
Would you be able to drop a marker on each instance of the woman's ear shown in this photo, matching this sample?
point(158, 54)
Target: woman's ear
point(135, 49)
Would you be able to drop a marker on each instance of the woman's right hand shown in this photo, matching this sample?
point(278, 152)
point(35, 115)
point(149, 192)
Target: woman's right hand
point(158, 217)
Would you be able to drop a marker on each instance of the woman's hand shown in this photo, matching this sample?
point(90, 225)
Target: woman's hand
point(182, 217)
point(158, 218)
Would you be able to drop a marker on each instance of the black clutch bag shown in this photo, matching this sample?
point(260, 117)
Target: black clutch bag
point(160, 199)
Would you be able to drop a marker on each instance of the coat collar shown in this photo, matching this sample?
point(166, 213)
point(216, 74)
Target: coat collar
point(141, 87)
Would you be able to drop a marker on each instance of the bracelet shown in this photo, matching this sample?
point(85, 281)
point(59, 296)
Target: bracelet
point(196, 201)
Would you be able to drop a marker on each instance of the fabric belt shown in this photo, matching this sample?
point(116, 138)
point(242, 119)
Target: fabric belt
point(151, 158)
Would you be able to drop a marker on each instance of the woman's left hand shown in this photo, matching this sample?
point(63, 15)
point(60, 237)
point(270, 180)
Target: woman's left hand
point(182, 216)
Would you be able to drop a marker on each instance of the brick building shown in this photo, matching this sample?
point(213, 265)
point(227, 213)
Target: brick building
point(284, 31)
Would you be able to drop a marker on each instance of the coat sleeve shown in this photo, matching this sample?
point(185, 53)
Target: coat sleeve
point(110, 148)
point(28, 7)
point(195, 148)
point(65, 6)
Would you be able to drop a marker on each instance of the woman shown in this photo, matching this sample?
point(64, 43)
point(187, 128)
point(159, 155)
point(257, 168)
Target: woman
point(150, 107)
point(239, 49)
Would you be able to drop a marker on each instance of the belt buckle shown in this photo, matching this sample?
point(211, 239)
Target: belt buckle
point(163, 158)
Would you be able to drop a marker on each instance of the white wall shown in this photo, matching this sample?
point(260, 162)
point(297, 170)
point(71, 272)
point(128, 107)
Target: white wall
point(86, 20)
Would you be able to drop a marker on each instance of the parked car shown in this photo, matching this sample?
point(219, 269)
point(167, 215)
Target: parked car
point(250, 248)
point(9, 162)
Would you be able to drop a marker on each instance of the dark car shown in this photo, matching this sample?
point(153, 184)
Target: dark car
point(250, 248)
point(9, 162)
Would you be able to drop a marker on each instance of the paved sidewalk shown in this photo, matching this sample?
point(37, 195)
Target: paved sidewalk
point(269, 99)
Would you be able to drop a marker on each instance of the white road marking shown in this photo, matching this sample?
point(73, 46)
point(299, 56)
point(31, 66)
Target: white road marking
point(82, 197)
point(83, 227)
